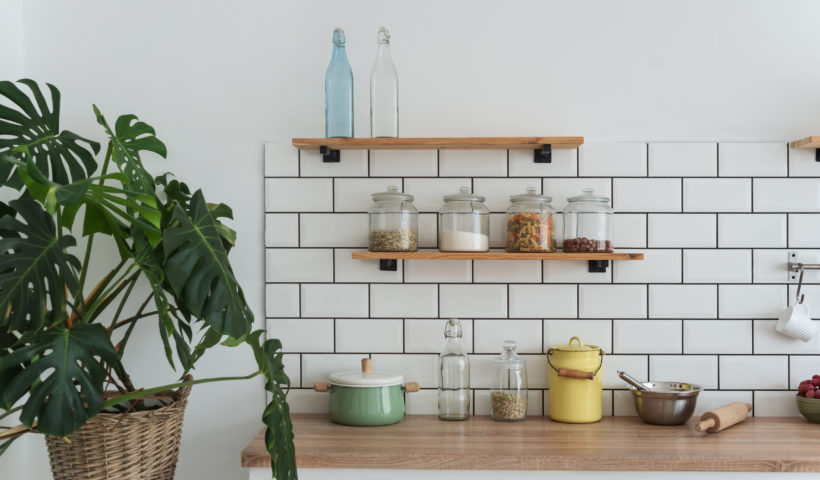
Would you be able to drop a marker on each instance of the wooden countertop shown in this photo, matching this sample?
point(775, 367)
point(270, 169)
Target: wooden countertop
point(782, 444)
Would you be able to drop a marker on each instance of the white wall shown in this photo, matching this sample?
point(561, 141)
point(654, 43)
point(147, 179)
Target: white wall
point(217, 79)
point(13, 462)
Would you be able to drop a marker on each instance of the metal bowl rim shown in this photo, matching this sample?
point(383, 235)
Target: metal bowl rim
point(692, 391)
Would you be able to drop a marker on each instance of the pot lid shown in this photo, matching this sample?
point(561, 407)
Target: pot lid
point(532, 195)
point(392, 193)
point(366, 377)
point(575, 345)
point(464, 195)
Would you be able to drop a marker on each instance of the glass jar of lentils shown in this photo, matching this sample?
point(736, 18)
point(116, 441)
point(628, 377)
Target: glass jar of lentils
point(530, 223)
point(588, 223)
point(509, 389)
point(394, 222)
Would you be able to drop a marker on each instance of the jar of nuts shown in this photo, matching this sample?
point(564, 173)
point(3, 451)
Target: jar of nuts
point(394, 222)
point(508, 394)
point(588, 223)
point(530, 223)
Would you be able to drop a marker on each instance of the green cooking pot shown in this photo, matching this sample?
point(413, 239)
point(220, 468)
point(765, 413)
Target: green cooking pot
point(366, 398)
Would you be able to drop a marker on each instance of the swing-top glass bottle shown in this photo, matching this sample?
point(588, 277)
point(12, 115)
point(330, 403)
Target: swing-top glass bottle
point(339, 91)
point(454, 375)
point(384, 91)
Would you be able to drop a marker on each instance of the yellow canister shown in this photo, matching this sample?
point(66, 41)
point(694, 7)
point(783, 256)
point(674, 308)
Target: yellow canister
point(575, 382)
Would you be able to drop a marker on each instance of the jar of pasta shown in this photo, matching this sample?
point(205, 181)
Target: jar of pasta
point(530, 223)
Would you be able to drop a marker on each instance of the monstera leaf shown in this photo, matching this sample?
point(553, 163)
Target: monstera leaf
point(63, 371)
point(128, 138)
point(279, 433)
point(34, 131)
point(34, 267)
point(197, 267)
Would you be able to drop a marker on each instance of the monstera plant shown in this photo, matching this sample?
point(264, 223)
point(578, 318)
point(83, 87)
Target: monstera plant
point(62, 332)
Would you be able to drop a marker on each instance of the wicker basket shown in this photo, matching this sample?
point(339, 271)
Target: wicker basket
point(123, 446)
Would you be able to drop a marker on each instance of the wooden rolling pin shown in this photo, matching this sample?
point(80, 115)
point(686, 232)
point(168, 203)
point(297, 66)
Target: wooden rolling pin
point(723, 417)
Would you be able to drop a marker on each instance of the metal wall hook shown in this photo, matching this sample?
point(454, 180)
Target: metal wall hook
point(799, 286)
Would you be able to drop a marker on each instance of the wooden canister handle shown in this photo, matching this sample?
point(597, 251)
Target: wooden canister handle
point(367, 365)
point(411, 387)
point(320, 387)
point(566, 372)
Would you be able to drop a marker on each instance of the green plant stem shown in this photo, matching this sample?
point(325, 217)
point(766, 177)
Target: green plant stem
point(15, 409)
point(150, 391)
point(119, 283)
point(87, 256)
point(127, 335)
point(122, 304)
point(134, 318)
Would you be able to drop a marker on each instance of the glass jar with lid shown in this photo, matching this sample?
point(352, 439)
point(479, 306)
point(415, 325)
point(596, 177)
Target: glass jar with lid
point(394, 222)
point(509, 389)
point(530, 223)
point(464, 223)
point(588, 223)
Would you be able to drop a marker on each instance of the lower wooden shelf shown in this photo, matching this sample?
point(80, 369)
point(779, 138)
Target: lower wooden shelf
point(776, 444)
point(437, 255)
point(598, 262)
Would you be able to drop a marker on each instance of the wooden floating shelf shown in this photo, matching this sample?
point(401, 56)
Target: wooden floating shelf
point(465, 143)
point(422, 442)
point(808, 142)
point(598, 262)
point(493, 256)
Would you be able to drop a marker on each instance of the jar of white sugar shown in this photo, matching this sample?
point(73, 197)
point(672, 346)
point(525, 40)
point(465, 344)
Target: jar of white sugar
point(464, 223)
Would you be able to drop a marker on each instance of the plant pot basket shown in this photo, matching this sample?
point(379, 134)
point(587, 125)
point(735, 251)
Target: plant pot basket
point(123, 446)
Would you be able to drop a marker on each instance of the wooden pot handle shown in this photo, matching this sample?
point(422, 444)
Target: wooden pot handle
point(566, 372)
point(320, 387)
point(411, 387)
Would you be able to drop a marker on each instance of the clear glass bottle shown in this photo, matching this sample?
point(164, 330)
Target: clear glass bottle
point(588, 223)
point(530, 223)
point(394, 222)
point(384, 91)
point(339, 91)
point(464, 223)
point(509, 390)
point(454, 375)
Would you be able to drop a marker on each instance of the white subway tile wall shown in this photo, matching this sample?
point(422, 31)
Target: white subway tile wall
point(612, 160)
point(714, 222)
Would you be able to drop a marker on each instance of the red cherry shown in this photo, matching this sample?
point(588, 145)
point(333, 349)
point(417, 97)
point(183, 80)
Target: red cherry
point(815, 380)
point(810, 394)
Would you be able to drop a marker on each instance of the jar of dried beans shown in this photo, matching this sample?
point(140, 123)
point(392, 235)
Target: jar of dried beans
point(394, 222)
point(530, 223)
point(508, 394)
point(588, 223)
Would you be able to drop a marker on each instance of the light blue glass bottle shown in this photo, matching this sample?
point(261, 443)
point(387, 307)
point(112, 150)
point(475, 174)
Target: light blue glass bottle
point(339, 91)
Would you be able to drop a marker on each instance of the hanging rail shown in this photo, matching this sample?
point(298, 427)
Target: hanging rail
point(797, 266)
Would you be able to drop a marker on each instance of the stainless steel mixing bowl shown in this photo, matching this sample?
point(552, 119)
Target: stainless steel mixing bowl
point(666, 403)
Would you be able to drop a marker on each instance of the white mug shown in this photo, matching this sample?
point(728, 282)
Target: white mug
point(796, 322)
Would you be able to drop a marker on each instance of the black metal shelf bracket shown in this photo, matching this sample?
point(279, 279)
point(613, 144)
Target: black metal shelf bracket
point(330, 155)
point(388, 264)
point(817, 154)
point(598, 266)
point(543, 154)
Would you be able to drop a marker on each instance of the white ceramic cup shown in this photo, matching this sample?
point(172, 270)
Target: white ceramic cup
point(796, 322)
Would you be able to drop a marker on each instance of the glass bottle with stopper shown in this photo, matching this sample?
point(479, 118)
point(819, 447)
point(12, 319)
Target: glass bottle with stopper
point(339, 91)
point(454, 375)
point(384, 91)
